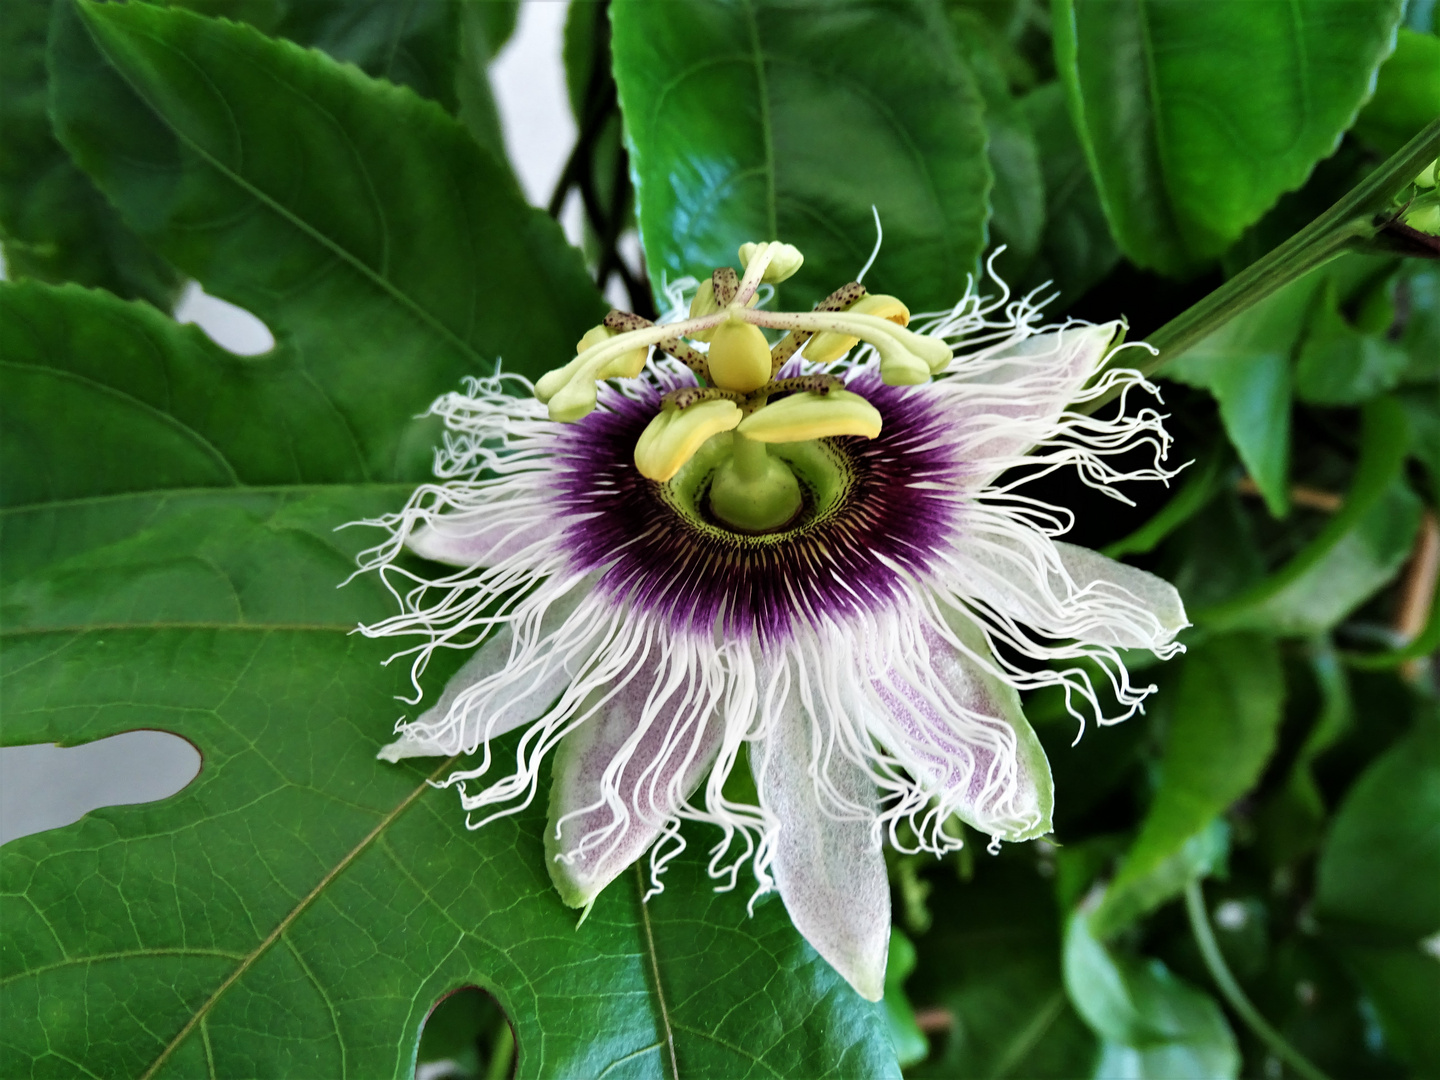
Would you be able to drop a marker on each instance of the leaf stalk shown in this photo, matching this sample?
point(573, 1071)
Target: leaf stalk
point(1230, 989)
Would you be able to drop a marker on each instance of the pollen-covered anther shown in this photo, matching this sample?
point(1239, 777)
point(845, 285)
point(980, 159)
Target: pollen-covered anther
point(692, 395)
point(810, 415)
point(570, 391)
point(828, 346)
point(674, 435)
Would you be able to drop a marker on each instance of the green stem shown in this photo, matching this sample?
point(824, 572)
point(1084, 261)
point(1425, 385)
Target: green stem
point(1220, 972)
point(1359, 215)
point(503, 1057)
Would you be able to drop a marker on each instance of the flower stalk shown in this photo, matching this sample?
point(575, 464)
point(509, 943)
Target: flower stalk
point(1352, 223)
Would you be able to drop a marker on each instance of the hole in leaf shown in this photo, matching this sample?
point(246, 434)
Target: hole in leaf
point(232, 328)
point(47, 786)
point(467, 1036)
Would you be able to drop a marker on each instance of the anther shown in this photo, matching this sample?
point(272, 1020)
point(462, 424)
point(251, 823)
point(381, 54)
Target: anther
point(691, 395)
point(815, 384)
point(842, 299)
point(726, 283)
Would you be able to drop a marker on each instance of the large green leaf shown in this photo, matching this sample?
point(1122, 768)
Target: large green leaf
point(1246, 366)
point(1076, 250)
point(54, 225)
point(1222, 731)
point(1373, 889)
point(1017, 199)
point(297, 188)
point(300, 906)
point(758, 119)
point(992, 960)
point(1154, 1025)
point(438, 48)
point(1360, 549)
point(1196, 117)
point(1407, 93)
point(1385, 840)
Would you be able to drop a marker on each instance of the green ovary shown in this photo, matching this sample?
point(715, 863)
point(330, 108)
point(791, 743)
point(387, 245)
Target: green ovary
point(753, 491)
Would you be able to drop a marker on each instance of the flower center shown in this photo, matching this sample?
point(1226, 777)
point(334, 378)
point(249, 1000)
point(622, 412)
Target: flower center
point(741, 408)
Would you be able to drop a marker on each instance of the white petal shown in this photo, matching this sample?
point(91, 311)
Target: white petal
point(830, 872)
point(483, 538)
point(1097, 574)
point(436, 733)
point(961, 731)
point(1004, 404)
point(622, 774)
point(1065, 591)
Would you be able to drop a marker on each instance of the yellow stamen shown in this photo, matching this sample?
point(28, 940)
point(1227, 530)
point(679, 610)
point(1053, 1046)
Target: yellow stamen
point(674, 435)
point(570, 390)
point(812, 416)
point(828, 345)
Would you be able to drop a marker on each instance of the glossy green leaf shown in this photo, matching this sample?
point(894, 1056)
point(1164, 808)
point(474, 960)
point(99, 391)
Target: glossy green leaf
point(54, 225)
point(909, 1041)
point(1076, 250)
point(1222, 730)
point(1407, 93)
point(1384, 843)
point(1373, 891)
point(298, 908)
point(1402, 986)
point(1246, 366)
point(1017, 199)
point(992, 961)
point(1340, 365)
point(299, 189)
point(410, 45)
point(438, 48)
point(759, 119)
point(1196, 117)
point(1360, 549)
point(1154, 1025)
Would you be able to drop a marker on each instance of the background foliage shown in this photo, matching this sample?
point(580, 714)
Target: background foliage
point(336, 168)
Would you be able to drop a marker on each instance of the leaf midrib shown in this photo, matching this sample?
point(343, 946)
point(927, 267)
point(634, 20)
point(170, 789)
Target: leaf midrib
point(294, 913)
point(376, 279)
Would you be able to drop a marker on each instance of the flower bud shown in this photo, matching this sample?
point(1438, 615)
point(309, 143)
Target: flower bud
point(673, 436)
point(739, 357)
point(812, 416)
point(828, 346)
